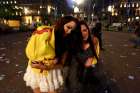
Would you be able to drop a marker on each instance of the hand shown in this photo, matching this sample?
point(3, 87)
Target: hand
point(38, 65)
point(89, 62)
point(55, 61)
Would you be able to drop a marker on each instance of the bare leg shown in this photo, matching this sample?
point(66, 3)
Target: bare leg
point(52, 92)
point(36, 90)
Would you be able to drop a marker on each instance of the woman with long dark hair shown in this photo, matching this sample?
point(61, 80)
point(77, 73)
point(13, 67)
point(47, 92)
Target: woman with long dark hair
point(84, 57)
point(47, 50)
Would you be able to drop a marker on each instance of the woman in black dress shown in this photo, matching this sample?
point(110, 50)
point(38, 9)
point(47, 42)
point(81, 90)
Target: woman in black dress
point(84, 58)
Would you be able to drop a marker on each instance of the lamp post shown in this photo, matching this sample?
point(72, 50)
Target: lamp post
point(110, 13)
point(76, 4)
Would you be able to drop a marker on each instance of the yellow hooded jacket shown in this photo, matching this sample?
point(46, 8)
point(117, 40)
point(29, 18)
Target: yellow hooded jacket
point(41, 46)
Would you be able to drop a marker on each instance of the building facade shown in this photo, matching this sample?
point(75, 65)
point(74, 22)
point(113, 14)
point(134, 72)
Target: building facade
point(32, 10)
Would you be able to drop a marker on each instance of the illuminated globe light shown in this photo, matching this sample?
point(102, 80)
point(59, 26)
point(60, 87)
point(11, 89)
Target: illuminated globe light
point(116, 14)
point(49, 9)
point(137, 18)
point(26, 11)
point(133, 5)
point(16, 13)
point(78, 1)
point(125, 5)
point(109, 8)
point(132, 19)
point(3, 2)
point(121, 5)
point(92, 15)
point(41, 7)
point(62, 15)
point(76, 10)
point(38, 12)
point(137, 5)
point(129, 19)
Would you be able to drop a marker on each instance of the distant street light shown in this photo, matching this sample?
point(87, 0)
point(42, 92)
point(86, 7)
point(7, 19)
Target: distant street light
point(78, 1)
point(109, 8)
point(137, 18)
point(76, 9)
point(26, 11)
point(49, 9)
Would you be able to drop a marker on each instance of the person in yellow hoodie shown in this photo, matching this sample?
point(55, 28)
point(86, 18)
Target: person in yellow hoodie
point(45, 50)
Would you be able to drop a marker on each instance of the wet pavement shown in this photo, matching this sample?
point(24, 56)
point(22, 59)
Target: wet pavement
point(121, 62)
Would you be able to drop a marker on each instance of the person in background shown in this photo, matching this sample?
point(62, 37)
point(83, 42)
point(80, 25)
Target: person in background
point(89, 56)
point(45, 51)
point(137, 33)
point(86, 57)
point(97, 31)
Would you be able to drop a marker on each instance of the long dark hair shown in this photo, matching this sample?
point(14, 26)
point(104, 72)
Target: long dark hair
point(62, 43)
point(90, 40)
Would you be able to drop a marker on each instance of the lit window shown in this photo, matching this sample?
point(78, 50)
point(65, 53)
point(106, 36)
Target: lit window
point(20, 14)
point(49, 9)
point(16, 13)
point(137, 5)
point(16, 7)
point(7, 2)
point(125, 5)
point(3, 2)
point(133, 5)
point(137, 18)
point(15, 2)
point(40, 6)
point(121, 5)
point(38, 12)
point(11, 2)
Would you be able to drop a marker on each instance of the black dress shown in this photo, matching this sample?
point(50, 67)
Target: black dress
point(80, 79)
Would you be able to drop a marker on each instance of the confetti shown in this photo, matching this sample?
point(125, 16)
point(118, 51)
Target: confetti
point(19, 72)
point(131, 77)
point(17, 65)
point(2, 76)
point(110, 45)
point(2, 48)
point(1, 57)
point(7, 61)
point(121, 56)
point(113, 79)
point(125, 45)
point(133, 53)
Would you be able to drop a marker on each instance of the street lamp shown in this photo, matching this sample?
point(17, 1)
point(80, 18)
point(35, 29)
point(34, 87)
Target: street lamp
point(76, 9)
point(109, 8)
point(49, 9)
point(76, 4)
point(26, 11)
point(78, 1)
point(110, 12)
